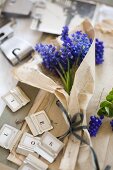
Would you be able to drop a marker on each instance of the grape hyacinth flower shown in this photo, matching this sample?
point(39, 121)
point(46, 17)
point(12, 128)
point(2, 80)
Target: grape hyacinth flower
point(65, 33)
point(61, 61)
point(67, 58)
point(49, 55)
point(111, 123)
point(94, 125)
point(99, 51)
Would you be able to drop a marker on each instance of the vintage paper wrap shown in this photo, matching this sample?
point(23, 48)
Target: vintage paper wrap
point(83, 87)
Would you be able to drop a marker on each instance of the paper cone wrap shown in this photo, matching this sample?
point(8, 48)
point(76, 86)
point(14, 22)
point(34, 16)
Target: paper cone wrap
point(83, 87)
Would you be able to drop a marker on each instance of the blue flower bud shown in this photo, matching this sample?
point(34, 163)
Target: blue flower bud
point(94, 125)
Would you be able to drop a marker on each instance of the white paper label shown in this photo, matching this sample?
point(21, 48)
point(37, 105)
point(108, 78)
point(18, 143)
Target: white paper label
point(43, 121)
point(5, 136)
point(51, 143)
point(30, 142)
point(12, 101)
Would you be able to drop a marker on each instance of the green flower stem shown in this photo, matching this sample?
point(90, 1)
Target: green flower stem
point(66, 77)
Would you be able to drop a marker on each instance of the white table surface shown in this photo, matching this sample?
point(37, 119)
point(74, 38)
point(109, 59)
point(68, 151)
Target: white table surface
point(7, 81)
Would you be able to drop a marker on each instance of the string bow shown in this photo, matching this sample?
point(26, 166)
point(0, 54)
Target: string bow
point(75, 125)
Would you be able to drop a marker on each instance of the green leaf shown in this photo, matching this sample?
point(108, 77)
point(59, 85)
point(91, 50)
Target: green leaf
point(66, 81)
point(68, 78)
point(107, 111)
point(63, 71)
point(111, 92)
point(62, 78)
point(69, 81)
point(106, 107)
point(105, 104)
point(109, 97)
point(111, 111)
point(101, 112)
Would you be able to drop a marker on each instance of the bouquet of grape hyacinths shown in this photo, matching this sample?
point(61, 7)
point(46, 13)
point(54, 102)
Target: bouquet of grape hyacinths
point(67, 70)
point(65, 60)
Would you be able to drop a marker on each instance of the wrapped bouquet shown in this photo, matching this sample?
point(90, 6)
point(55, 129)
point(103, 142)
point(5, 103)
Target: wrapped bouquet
point(66, 68)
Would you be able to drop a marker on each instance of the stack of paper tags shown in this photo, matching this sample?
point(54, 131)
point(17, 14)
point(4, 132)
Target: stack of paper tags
point(32, 146)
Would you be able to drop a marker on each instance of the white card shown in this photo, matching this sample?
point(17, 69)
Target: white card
point(42, 120)
point(8, 136)
point(39, 123)
point(12, 101)
point(27, 144)
point(51, 142)
point(5, 136)
point(15, 99)
point(49, 147)
point(30, 142)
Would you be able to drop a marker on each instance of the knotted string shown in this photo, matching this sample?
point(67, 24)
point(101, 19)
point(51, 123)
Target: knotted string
point(74, 126)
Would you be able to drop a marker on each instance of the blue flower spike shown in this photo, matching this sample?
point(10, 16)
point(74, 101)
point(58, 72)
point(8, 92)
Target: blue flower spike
point(73, 49)
point(99, 51)
point(63, 60)
point(111, 123)
point(94, 125)
point(64, 33)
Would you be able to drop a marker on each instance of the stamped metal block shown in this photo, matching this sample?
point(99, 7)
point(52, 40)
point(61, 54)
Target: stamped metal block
point(15, 99)
point(27, 144)
point(9, 136)
point(33, 163)
point(49, 147)
point(16, 49)
point(6, 32)
point(39, 123)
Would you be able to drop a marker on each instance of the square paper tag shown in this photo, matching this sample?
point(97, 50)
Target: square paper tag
point(38, 123)
point(15, 99)
point(27, 144)
point(49, 147)
point(8, 136)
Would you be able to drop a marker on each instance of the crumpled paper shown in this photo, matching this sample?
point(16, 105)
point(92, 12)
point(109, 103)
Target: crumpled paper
point(104, 31)
point(83, 87)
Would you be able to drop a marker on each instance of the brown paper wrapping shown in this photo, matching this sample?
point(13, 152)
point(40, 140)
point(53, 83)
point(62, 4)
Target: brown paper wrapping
point(83, 87)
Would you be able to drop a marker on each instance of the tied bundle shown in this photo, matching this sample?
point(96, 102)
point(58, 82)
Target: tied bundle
point(66, 69)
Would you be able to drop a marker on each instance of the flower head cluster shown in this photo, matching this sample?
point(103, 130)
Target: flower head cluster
point(49, 54)
point(111, 123)
point(99, 51)
point(73, 50)
point(94, 125)
point(65, 33)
